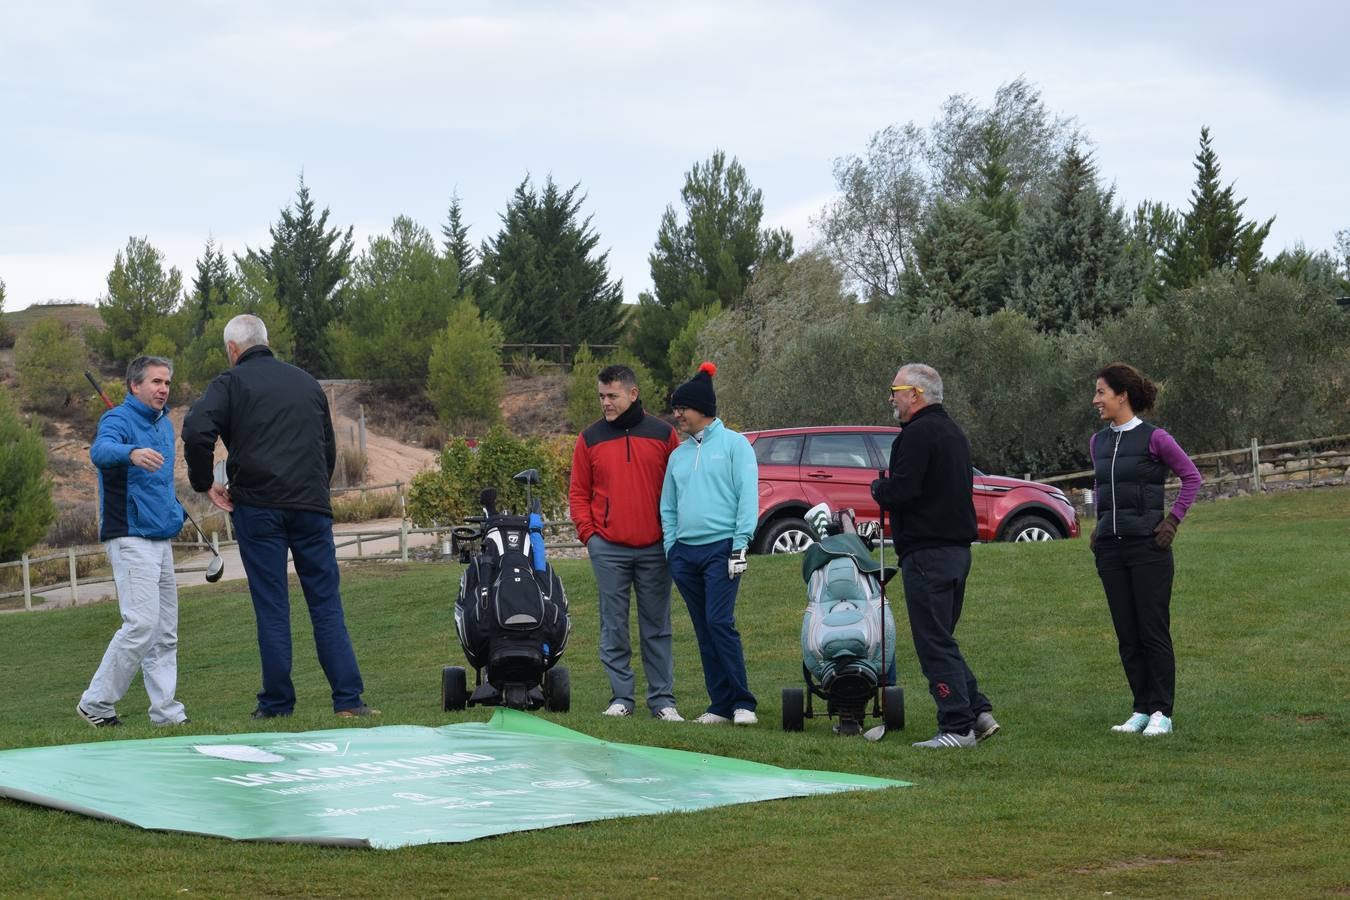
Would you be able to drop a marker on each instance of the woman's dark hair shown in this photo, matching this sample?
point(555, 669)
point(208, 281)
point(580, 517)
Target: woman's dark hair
point(1126, 379)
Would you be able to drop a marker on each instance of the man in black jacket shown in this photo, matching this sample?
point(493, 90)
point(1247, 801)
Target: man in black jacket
point(274, 421)
point(927, 498)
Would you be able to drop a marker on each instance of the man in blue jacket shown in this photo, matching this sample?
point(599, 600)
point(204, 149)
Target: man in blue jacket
point(139, 515)
point(709, 504)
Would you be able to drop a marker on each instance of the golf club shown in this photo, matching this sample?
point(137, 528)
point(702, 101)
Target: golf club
point(877, 732)
point(216, 567)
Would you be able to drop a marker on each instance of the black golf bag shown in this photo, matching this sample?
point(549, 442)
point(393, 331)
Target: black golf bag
point(511, 618)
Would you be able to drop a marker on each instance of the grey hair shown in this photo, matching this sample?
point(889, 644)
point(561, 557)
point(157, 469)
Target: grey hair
point(924, 376)
point(136, 368)
point(245, 331)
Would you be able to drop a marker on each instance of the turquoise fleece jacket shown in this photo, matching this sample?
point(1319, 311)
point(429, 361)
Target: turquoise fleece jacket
point(711, 491)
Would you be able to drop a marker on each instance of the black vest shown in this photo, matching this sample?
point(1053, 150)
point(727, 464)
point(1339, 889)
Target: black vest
point(1129, 482)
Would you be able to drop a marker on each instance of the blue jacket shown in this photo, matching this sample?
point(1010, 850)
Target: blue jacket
point(711, 491)
point(132, 501)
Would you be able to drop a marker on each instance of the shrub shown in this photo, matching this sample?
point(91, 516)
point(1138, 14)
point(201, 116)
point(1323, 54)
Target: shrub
point(465, 373)
point(374, 505)
point(451, 492)
point(75, 526)
point(583, 405)
point(50, 363)
point(26, 507)
point(350, 469)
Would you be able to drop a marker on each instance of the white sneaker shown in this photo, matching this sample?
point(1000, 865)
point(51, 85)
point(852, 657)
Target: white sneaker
point(1158, 724)
point(1133, 725)
point(668, 714)
point(744, 717)
point(617, 710)
point(712, 719)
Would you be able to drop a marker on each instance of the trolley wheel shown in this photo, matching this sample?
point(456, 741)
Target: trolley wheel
point(894, 710)
point(794, 706)
point(557, 689)
point(454, 695)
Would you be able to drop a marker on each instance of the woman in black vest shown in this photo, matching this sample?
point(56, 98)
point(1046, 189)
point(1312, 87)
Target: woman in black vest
point(1132, 542)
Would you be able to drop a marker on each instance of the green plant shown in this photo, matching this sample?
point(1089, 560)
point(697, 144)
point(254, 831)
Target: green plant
point(26, 507)
point(465, 379)
point(374, 505)
point(350, 469)
point(50, 363)
point(451, 492)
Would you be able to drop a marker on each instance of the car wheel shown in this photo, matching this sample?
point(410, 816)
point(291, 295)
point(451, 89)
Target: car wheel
point(1031, 528)
point(786, 535)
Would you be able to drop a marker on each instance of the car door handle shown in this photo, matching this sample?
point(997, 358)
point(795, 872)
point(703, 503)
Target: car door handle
point(819, 475)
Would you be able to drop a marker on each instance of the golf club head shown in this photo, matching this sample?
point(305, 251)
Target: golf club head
point(875, 733)
point(529, 476)
point(215, 569)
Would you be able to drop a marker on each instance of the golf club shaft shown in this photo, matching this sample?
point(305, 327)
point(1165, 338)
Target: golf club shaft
point(106, 402)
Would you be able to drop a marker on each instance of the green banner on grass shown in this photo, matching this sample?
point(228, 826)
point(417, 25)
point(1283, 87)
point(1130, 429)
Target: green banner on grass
point(395, 785)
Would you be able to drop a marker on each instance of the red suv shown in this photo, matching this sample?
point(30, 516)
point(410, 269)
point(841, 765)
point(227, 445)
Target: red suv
point(800, 467)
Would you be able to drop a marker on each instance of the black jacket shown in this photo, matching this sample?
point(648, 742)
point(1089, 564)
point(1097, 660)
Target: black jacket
point(928, 497)
point(274, 420)
point(1129, 482)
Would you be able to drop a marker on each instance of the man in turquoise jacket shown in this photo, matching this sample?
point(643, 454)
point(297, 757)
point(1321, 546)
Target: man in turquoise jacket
point(709, 504)
point(139, 514)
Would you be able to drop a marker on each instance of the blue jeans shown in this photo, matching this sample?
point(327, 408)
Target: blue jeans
point(265, 534)
point(700, 572)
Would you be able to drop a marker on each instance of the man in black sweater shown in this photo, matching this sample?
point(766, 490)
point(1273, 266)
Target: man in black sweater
point(274, 420)
point(927, 498)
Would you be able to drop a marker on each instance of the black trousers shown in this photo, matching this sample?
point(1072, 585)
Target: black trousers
point(935, 590)
point(1137, 577)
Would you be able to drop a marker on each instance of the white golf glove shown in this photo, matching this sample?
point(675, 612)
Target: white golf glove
point(736, 563)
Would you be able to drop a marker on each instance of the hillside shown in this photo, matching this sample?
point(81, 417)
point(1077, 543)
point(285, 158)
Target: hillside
point(402, 436)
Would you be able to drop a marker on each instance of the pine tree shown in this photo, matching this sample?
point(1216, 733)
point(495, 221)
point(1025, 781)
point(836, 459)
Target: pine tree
point(140, 300)
point(457, 246)
point(306, 267)
point(542, 280)
point(1074, 264)
point(706, 259)
point(1213, 233)
point(26, 508)
point(6, 339)
point(213, 289)
point(402, 292)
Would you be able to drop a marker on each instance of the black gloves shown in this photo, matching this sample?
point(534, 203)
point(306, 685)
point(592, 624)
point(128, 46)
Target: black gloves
point(877, 485)
point(1165, 532)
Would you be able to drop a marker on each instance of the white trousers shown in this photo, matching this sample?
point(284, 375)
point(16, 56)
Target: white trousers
point(147, 594)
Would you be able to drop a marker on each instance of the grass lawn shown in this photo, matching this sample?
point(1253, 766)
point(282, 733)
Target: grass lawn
point(1247, 798)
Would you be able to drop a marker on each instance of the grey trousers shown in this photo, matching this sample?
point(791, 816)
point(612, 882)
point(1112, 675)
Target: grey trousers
point(147, 595)
point(620, 571)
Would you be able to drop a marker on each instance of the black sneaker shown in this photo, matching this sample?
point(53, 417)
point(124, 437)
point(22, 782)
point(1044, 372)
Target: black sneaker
point(99, 721)
point(355, 711)
point(263, 714)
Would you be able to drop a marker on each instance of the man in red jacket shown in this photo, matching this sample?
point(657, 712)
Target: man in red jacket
point(618, 467)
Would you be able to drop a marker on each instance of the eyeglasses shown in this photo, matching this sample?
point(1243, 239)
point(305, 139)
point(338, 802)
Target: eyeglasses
point(679, 410)
point(897, 388)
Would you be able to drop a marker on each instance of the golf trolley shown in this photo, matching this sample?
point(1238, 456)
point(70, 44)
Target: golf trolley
point(511, 613)
point(848, 634)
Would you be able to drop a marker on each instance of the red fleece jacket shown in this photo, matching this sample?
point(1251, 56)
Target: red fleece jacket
point(617, 475)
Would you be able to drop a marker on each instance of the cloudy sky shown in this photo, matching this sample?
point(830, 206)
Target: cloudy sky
point(183, 121)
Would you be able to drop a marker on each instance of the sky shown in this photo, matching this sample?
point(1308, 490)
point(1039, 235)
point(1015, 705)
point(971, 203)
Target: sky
point(187, 121)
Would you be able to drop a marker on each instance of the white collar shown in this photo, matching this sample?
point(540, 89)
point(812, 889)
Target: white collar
point(1128, 426)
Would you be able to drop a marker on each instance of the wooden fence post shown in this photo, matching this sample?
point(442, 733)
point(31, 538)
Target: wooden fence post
point(27, 586)
point(403, 539)
point(1256, 466)
point(74, 587)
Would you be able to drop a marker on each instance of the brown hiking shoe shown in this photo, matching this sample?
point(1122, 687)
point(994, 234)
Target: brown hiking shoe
point(361, 710)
